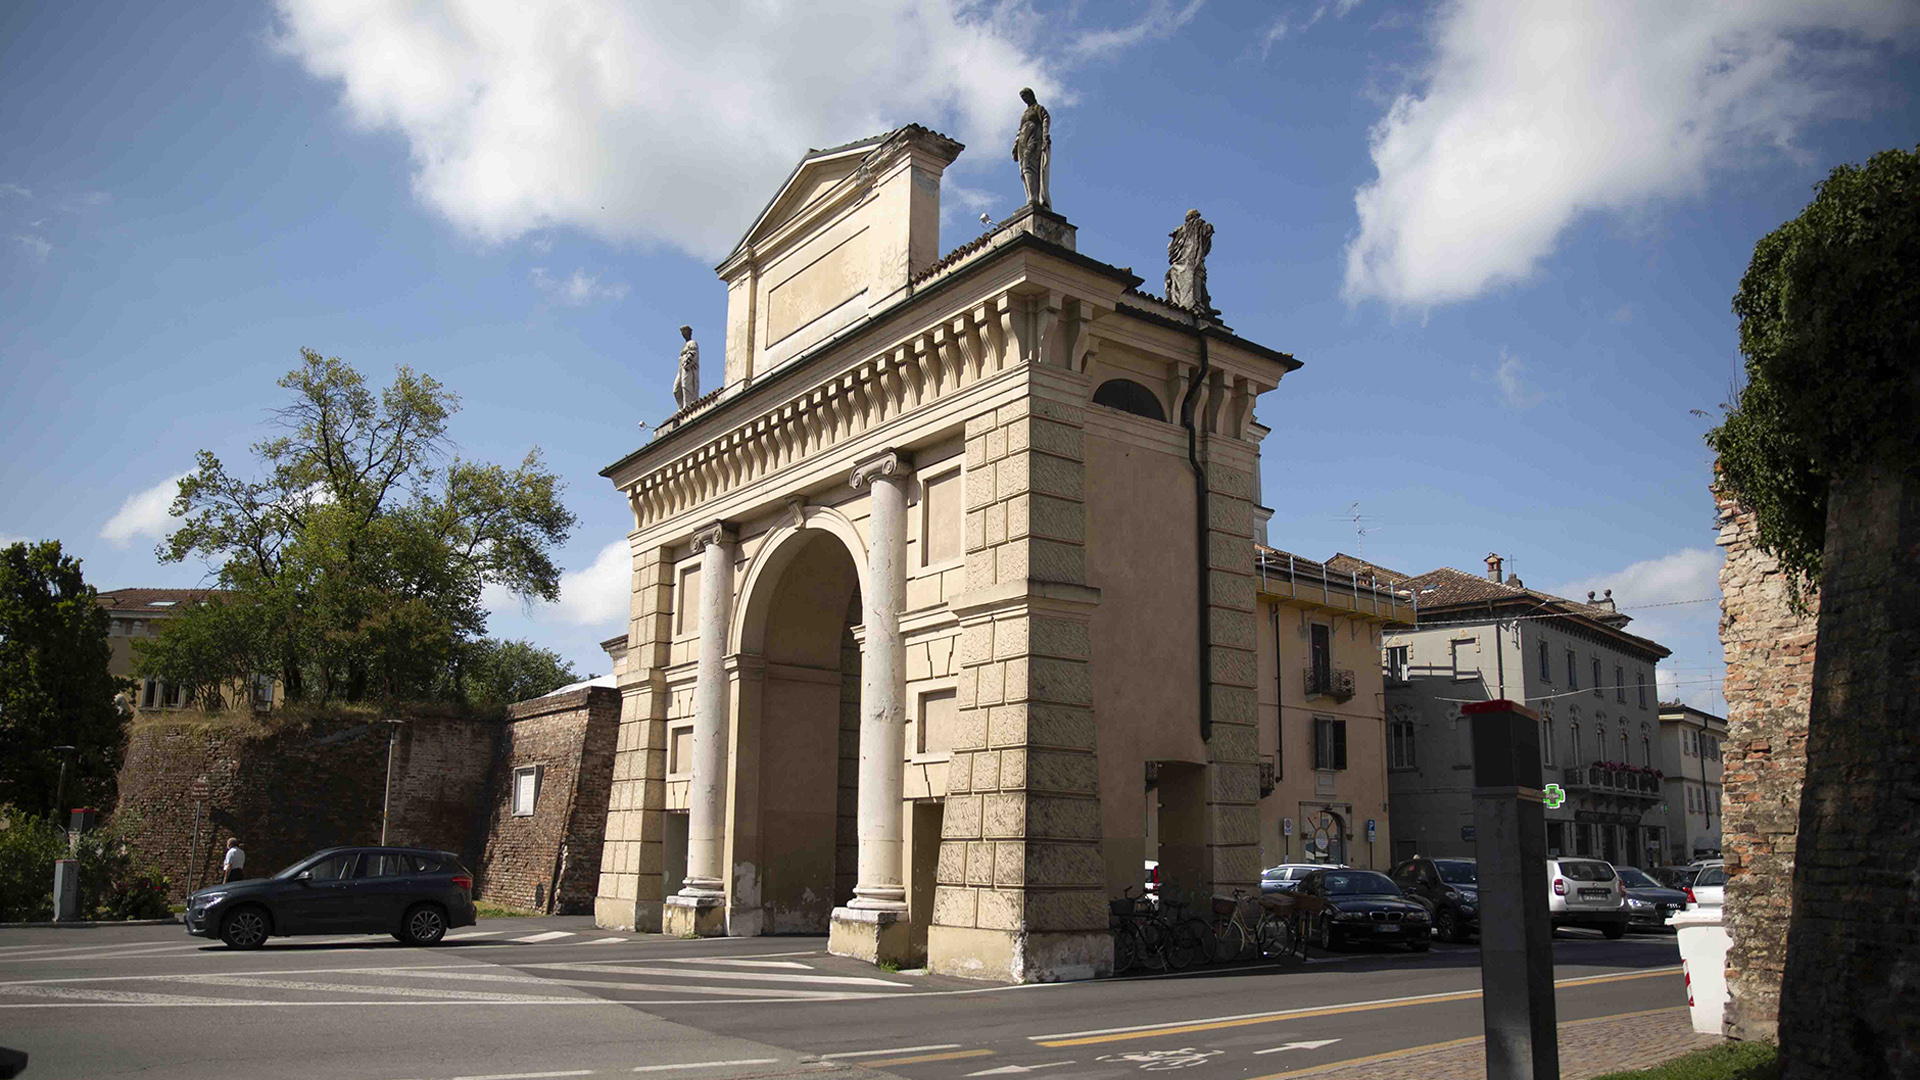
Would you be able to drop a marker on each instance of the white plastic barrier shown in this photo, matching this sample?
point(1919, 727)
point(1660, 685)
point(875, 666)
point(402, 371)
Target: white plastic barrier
point(1703, 956)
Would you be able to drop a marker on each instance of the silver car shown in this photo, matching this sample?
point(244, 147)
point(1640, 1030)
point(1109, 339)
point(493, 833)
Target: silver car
point(1587, 893)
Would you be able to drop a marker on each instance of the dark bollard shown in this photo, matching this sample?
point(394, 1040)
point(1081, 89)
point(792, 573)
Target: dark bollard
point(1516, 930)
point(66, 890)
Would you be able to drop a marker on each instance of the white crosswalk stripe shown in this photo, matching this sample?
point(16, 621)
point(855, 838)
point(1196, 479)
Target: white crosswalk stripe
point(749, 976)
point(550, 935)
point(73, 993)
point(353, 988)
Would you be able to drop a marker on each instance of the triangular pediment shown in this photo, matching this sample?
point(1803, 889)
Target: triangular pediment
point(816, 174)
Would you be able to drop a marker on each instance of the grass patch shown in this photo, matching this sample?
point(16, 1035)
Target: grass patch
point(889, 966)
point(1733, 1061)
point(487, 909)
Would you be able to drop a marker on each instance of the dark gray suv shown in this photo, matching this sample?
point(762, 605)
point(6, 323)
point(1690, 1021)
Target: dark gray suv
point(415, 894)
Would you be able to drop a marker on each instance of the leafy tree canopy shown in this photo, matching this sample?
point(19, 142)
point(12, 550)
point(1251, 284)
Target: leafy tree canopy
point(1829, 323)
point(503, 672)
point(357, 557)
point(55, 689)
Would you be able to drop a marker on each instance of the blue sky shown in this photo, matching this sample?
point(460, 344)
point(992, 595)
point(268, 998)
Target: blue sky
point(1502, 236)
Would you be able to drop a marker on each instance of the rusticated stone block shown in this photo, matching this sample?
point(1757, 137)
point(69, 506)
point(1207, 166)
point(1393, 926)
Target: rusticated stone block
point(986, 771)
point(999, 909)
point(1232, 783)
point(1065, 909)
point(961, 820)
point(1058, 817)
point(1063, 682)
point(1060, 771)
point(1232, 667)
point(1005, 815)
point(1233, 742)
point(1046, 436)
point(1013, 769)
point(1055, 865)
point(954, 905)
point(1041, 724)
point(952, 866)
point(1065, 639)
point(980, 862)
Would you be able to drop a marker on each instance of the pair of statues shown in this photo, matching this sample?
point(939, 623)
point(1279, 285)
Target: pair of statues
point(1187, 246)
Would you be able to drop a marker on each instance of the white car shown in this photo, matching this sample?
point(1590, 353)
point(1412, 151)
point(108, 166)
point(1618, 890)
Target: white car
point(1710, 888)
point(1587, 893)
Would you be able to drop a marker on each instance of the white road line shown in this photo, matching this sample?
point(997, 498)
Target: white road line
point(619, 968)
point(347, 988)
point(551, 935)
point(737, 963)
point(889, 1050)
point(528, 1076)
point(470, 934)
point(103, 996)
point(607, 984)
point(108, 952)
point(705, 1063)
point(604, 941)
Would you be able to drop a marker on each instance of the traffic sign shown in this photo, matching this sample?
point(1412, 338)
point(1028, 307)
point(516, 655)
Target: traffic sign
point(1370, 830)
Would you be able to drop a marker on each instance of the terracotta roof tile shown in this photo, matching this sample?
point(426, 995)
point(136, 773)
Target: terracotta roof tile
point(154, 601)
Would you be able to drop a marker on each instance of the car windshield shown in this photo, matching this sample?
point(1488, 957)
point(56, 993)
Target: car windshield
point(1458, 873)
point(1712, 875)
point(1357, 882)
point(1586, 870)
point(1635, 879)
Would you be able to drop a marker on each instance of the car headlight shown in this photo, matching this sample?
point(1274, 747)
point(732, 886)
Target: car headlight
point(1350, 916)
point(206, 899)
point(1452, 894)
point(1416, 916)
point(1467, 909)
point(1631, 902)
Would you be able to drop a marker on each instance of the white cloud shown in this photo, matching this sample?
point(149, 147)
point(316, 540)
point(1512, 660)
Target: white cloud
point(578, 288)
point(144, 513)
point(36, 247)
point(15, 190)
point(1160, 20)
point(657, 122)
point(1531, 114)
point(597, 595)
point(1511, 378)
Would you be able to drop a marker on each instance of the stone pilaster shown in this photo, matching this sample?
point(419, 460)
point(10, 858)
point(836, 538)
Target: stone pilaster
point(698, 907)
point(1020, 878)
point(1233, 748)
point(630, 890)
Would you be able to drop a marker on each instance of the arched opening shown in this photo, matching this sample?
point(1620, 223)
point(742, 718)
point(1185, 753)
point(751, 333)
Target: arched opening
point(1324, 838)
point(1129, 396)
point(794, 832)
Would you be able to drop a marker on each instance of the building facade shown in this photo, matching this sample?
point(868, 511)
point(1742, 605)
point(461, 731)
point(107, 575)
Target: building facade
point(1323, 731)
point(1477, 638)
point(1689, 756)
point(956, 561)
point(137, 614)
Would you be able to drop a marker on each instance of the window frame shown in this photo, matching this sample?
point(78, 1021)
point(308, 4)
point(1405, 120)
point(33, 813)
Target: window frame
point(923, 512)
point(1573, 670)
point(1329, 744)
point(537, 772)
point(1546, 663)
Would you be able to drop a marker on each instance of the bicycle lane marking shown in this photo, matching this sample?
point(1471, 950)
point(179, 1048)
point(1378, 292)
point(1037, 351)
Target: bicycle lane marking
point(1087, 1038)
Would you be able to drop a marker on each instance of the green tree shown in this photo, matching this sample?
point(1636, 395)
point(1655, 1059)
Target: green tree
point(503, 672)
point(1823, 446)
point(55, 689)
point(357, 557)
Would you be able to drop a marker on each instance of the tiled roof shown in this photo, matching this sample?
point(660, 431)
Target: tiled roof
point(154, 601)
point(1446, 587)
point(1344, 563)
point(1275, 560)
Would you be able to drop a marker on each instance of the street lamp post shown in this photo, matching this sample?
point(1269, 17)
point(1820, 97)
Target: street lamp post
point(60, 788)
point(386, 800)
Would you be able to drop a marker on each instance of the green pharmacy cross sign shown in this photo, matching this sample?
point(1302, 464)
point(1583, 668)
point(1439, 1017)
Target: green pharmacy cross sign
point(1553, 796)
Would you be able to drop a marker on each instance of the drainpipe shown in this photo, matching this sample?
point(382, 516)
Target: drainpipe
point(1200, 518)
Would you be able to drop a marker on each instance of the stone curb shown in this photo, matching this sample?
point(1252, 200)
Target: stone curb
point(173, 920)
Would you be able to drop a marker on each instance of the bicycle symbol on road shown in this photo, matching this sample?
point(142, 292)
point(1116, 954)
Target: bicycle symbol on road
point(1164, 1060)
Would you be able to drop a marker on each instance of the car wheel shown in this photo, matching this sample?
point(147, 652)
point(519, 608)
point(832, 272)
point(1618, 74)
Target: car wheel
point(1614, 931)
point(1447, 925)
point(424, 924)
point(1323, 934)
point(245, 928)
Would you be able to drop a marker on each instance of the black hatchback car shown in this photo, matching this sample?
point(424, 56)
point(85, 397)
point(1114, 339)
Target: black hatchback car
point(1451, 887)
point(415, 894)
point(1363, 905)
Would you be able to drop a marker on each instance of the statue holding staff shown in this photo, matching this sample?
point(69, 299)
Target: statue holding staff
point(1187, 248)
point(686, 382)
point(1033, 150)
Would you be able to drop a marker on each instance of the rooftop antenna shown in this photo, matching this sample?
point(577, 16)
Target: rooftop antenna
point(1359, 530)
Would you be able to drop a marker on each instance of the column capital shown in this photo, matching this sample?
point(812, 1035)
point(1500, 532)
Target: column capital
point(888, 464)
point(718, 532)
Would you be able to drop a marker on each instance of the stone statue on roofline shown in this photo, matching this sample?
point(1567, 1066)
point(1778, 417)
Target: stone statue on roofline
point(686, 383)
point(1033, 150)
point(1187, 249)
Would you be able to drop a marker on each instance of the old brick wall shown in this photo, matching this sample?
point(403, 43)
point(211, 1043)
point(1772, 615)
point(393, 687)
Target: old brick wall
point(553, 855)
point(293, 783)
point(1769, 688)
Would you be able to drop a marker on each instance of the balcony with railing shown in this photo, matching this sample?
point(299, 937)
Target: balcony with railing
point(1336, 683)
point(1610, 779)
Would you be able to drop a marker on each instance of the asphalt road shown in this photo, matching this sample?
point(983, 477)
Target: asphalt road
point(520, 999)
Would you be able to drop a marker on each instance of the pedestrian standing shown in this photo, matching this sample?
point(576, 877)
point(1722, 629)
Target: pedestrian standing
point(236, 861)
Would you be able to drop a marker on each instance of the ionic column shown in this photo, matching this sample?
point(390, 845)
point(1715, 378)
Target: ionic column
point(707, 792)
point(883, 686)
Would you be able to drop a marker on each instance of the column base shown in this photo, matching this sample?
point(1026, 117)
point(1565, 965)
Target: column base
point(694, 916)
point(612, 913)
point(873, 936)
point(1011, 956)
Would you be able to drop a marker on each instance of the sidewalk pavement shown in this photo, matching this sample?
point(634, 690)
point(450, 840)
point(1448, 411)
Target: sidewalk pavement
point(1588, 1048)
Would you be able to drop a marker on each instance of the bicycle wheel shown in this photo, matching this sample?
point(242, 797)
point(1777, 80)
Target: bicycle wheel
point(1152, 940)
point(1229, 940)
point(1126, 950)
point(1193, 934)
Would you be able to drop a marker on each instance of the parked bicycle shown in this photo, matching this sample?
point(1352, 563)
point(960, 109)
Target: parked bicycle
point(1269, 925)
point(1139, 938)
point(1189, 938)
